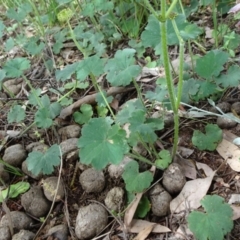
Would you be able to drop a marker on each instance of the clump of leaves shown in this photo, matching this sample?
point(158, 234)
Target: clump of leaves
point(209, 140)
point(215, 223)
point(38, 162)
point(14, 190)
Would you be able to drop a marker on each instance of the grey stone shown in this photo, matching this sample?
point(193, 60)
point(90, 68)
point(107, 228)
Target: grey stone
point(50, 187)
point(5, 233)
point(114, 199)
point(15, 155)
point(19, 220)
point(35, 203)
point(91, 220)
point(24, 235)
point(71, 131)
point(68, 146)
point(92, 180)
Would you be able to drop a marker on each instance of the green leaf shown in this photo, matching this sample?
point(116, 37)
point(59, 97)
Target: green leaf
point(100, 100)
point(151, 36)
point(206, 89)
point(43, 118)
point(102, 143)
point(21, 12)
point(121, 69)
point(209, 140)
point(135, 181)
point(160, 94)
point(231, 78)
point(66, 73)
point(14, 190)
point(143, 208)
point(165, 159)
point(190, 88)
point(16, 114)
point(55, 109)
point(34, 46)
point(16, 66)
point(84, 115)
point(128, 109)
point(45, 101)
point(9, 44)
point(215, 223)
point(91, 65)
point(191, 31)
point(143, 128)
point(38, 162)
point(33, 96)
point(211, 64)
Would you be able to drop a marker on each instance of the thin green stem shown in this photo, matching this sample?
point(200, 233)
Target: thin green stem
point(166, 59)
point(140, 158)
point(75, 41)
point(169, 11)
point(138, 91)
point(98, 89)
point(33, 91)
point(214, 12)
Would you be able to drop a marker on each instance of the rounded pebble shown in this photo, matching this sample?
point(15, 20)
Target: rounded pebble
point(15, 155)
point(114, 199)
point(92, 180)
point(91, 220)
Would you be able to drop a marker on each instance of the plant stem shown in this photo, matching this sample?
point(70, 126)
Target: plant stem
point(140, 158)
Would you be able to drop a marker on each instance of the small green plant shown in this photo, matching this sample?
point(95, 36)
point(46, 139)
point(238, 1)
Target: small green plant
point(208, 141)
point(215, 222)
point(14, 190)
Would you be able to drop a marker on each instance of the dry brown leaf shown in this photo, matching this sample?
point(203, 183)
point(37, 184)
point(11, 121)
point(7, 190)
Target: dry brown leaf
point(131, 209)
point(229, 151)
point(143, 234)
point(191, 194)
point(188, 167)
point(236, 212)
point(207, 170)
point(183, 232)
point(139, 225)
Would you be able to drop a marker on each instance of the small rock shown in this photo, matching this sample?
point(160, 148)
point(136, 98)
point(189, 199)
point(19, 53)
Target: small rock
point(59, 232)
point(29, 173)
point(49, 188)
point(13, 85)
point(116, 171)
point(71, 131)
point(173, 178)
point(68, 146)
point(4, 175)
point(35, 203)
point(236, 107)
point(225, 122)
point(20, 220)
point(37, 146)
point(15, 155)
point(224, 106)
point(91, 220)
point(5, 233)
point(23, 235)
point(114, 199)
point(92, 180)
point(160, 200)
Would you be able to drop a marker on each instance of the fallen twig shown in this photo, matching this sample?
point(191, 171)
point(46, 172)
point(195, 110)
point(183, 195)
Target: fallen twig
point(90, 99)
